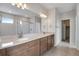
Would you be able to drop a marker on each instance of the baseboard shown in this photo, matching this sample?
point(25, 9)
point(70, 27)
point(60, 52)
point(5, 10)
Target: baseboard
point(72, 46)
point(56, 44)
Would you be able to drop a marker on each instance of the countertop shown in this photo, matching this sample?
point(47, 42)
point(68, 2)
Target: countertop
point(10, 41)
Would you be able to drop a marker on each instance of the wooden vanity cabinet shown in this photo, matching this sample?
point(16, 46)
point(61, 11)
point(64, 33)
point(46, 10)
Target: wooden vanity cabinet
point(52, 36)
point(43, 45)
point(32, 48)
point(50, 42)
point(26, 49)
point(18, 50)
point(2, 52)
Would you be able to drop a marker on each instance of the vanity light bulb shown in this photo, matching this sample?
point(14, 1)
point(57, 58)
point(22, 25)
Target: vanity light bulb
point(24, 5)
point(20, 22)
point(43, 15)
point(13, 4)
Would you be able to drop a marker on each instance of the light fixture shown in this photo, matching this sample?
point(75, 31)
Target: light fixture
point(42, 15)
point(20, 5)
point(13, 4)
point(20, 22)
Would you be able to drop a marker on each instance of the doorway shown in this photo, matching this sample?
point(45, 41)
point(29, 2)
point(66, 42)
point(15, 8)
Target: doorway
point(66, 30)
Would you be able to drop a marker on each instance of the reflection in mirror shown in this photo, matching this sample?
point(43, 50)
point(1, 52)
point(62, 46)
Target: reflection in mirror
point(22, 26)
point(38, 24)
point(7, 25)
point(18, 26)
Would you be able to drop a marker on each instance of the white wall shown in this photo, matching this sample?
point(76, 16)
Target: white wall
point(57, 28)
point(51, 20)
point(77, 27)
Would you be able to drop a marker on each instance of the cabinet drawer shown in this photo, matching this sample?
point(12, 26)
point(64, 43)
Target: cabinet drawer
point(50, 42)
point(43, 45)
point(34, 49)
point(33, 43)
point(37, 50)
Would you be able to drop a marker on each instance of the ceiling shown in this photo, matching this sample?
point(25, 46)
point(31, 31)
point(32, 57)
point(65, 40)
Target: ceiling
point(61, 7)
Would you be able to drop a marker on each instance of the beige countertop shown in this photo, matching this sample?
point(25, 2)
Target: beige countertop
point(10, 41)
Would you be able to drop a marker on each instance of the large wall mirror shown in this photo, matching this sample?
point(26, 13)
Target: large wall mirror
point(14, 25)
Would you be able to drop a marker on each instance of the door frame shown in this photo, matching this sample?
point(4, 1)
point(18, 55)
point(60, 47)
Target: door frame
point(69, 31)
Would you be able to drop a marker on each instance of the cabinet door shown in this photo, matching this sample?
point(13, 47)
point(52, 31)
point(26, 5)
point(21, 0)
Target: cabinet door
point(34, 47)
point(43, 43)
point(2, 52)
point(37, 49)
point(19, 50)
point(49, 42)
point(52, 37)
point(26, 49)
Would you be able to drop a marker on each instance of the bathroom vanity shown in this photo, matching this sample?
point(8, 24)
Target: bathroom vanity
point(21, 35)
point(33, 45)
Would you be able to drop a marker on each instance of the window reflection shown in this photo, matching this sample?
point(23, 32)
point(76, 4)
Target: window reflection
point(7, 20)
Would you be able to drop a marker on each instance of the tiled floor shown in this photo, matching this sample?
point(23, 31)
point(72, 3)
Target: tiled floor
point(62, 50)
